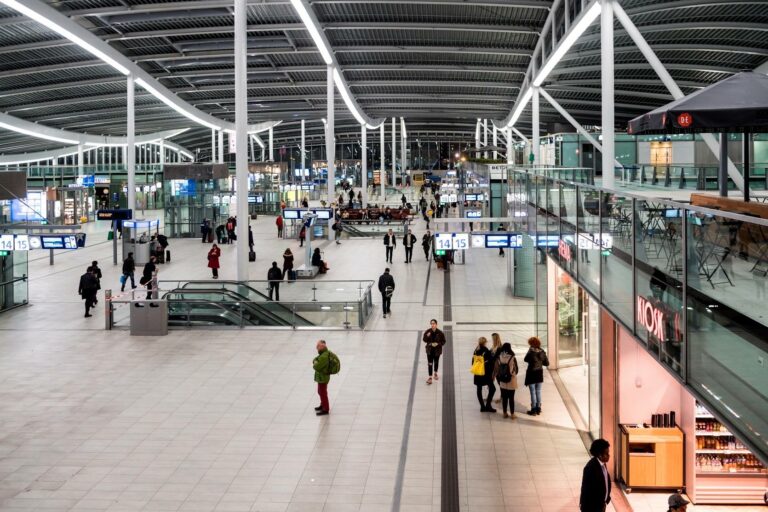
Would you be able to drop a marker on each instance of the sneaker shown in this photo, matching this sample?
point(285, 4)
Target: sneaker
point(321, 413)
point(139, 305)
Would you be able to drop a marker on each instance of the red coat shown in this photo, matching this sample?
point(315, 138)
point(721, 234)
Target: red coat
point(213, 257)
point(279, 221)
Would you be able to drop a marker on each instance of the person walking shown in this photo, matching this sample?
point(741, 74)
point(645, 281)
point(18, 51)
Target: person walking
point(387, 288)
point(506, 375)
point(426, 243)
point(595, 480)
point(677, 503)
point(337, 229)
point(434, 339)
point(325, 364)
point(288, 264)
point(302, 235)
point(231, 237)
point(501, 249)
point(487, 378)
point(96, 272)
point(279, 224)
point(409, 240)
point(205, 228)
point(213, 260)
point(403, 200)
point(87, 290)
point(148, 276)
point(274, 276)
point(534, 374)
point(390, 242)
point(250, 238)
point(129, 268)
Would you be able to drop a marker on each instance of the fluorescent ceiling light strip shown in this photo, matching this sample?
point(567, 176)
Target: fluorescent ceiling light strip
point(402, 128)
point(520, 106)
point(345, 96)
point(38, 135)
point(34, 15)
point(578, 29)
point(313, 31)
point(258, 141)
point(154, 92)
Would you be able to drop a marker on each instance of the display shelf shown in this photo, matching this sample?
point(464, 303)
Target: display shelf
point(706, 433)
point(741, 472)
point(724, 452)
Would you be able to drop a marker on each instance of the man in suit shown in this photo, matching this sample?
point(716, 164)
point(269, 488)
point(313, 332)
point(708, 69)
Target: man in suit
point(409, 240)
point(595, 482)
point(390, 241)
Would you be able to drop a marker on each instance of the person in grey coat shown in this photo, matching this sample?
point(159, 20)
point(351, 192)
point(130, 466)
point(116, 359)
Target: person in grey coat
point(506, 375)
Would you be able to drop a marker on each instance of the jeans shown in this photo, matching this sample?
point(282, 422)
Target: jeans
point(386, 303)
point(276, 288)
point(127, 277)
point(535, 395)
point(322, 390)
point(433, 360)
point(408, 254)
point(388, 255)
point(508, 399)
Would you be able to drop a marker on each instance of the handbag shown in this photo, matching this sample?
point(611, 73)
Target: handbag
point(478, 366)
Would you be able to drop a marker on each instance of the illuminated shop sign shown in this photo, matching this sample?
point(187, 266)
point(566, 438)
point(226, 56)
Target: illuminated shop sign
point(657, 319)
point(564, 250)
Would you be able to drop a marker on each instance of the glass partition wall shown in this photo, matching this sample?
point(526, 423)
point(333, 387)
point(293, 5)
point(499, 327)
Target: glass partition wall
point(688, 282)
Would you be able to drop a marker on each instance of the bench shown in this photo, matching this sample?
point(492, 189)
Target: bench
point(304, 272)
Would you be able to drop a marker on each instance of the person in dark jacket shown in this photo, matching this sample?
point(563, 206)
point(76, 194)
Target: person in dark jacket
point(129, 268)
point(250, 238)
point(390, 242)
point(403, 200)
point(506, 360)
point(409, 240)
point(387, 288)
point(487, 379)
point(287, 263)
point(96, 272)
point(317, 261)
point(426, 243)
point(434, 339)
point(87, 290)
point(275, 275)
point(205, 228)
point(534, 374)
point(595, 480)
point(147, 275)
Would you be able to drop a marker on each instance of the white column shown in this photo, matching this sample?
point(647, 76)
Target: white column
point(271, 145)
point(162, 152)
point(535, 126)
point(241, 137)
point(477, 137)
point(303, 150)
point(607, 92)
point(394, 152)
point(80, 160)
point(403, 165)
point(364, 170)
point(485, 137)
point(130, 148)
point(221, 147)
point(495, 142)
point(510, 147)
point(252, 154)
point(383, 169)
point(330, 136)
point(213, 146)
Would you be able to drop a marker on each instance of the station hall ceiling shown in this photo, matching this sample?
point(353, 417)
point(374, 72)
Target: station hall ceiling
point(440, 64)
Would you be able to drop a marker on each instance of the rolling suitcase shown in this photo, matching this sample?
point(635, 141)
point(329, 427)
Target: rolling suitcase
point(291, 275)
point(252, 256)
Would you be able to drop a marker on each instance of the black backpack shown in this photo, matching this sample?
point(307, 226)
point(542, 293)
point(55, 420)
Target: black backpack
point(505, 372)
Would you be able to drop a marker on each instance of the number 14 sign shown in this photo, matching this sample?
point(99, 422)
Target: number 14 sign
point(452, 241)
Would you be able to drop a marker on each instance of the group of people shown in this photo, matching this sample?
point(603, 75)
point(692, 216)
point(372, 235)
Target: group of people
point(409, 242)
point(90, 281)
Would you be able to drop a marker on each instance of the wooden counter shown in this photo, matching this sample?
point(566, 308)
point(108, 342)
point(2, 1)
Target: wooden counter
point(652, 458)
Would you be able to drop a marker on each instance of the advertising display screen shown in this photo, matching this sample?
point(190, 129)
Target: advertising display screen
point(291, 214)
point(323, 214)
point(470, 197)
point(58, 241)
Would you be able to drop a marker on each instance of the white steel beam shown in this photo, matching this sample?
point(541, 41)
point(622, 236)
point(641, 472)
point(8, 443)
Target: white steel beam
point(535, 144)
point(403, 137)
point(670, 84)
point(485, 137)
point(382, 167)
point(303, 149)
point(271, 145)
point(221, 147)
point(510, 146)
point(241, 137)
point(213, 146)
point(607, 92)
point(330, 140)
point(130, 149)
point(364, 170)
point(394, 152)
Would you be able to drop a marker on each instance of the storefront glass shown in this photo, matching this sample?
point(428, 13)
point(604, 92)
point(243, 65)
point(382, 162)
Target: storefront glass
point(616, 268)
point(589, 240)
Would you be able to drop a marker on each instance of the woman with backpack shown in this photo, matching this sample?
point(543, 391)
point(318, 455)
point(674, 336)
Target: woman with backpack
point(534, 374)
point(506, 375)
point(486, 378)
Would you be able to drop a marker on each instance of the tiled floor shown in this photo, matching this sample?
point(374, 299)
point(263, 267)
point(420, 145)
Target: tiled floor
point(222, 420)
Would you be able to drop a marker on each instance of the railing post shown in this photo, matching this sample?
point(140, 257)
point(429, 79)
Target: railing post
point(667, 177)
point(109, 312)
point(682, 177)
point(642, 174)
point(701, 178)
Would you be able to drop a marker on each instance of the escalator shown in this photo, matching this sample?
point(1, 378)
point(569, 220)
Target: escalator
point(206, 302)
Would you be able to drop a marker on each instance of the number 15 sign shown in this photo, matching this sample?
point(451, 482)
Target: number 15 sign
point(452, 241)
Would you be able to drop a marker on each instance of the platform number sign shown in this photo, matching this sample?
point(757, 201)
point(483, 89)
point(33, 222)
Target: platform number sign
point(6, 242)
point(452, 241)
point(21, 243)
point(443, 241)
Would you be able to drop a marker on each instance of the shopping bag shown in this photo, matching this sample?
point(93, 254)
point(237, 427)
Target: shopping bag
point(110, 235)
point(478, 366)
point(122, 279)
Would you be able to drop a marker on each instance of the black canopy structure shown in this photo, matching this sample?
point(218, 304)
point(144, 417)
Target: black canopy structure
point(734, 105)
point(738, 104)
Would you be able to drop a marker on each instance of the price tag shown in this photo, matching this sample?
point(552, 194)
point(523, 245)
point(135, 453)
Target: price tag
point(6, 242)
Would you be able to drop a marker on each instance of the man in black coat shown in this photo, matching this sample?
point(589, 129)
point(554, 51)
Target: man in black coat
point(387, 288)
point(275, 275)
point(129, 268)
point(409, 240)
point(390, 241)
point(89, 285)
point(596, 482)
